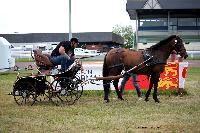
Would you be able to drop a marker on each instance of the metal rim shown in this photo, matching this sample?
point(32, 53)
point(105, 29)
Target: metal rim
point(24, 93)
point(65, 91)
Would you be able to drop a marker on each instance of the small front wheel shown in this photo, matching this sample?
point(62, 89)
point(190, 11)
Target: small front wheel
point(65, 91)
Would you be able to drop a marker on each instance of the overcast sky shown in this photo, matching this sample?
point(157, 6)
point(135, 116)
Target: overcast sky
point(51, 16)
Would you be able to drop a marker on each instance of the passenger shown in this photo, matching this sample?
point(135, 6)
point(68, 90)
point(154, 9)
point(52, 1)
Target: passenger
point(63, 54)
point(134, 79)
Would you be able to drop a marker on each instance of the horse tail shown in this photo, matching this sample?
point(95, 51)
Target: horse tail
point(105, 67)
point(106, 84)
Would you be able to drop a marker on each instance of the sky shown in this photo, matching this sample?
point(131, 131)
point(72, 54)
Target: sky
point(52, 16)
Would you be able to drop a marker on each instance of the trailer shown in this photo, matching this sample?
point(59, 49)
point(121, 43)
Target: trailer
point(6, 61)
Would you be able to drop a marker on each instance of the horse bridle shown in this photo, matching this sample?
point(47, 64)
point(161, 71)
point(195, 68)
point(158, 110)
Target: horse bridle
point(178, 46)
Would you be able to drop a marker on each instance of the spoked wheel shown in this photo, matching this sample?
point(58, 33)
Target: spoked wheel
point(65, 91)
point(80, 88)
point(44, 93)
point(24, 93)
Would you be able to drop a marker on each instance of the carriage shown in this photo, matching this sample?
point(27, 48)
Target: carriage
point(49, 84)
point(66, 88)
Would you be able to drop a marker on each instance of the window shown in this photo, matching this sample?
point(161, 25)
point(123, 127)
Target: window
point(153, 22)
point(187, 22)
point(198, 21)
point(173, 24)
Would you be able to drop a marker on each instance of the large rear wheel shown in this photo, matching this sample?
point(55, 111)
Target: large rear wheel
point(24, 93)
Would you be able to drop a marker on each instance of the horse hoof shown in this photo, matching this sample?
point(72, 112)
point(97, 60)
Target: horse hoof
point(107, 101)
point(120, 98)
point(156, 100)
point(146, 99)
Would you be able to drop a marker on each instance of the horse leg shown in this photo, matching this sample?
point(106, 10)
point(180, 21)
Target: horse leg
point(155, 93)
point(115, 83)
point(106, 85)
point(149, 90)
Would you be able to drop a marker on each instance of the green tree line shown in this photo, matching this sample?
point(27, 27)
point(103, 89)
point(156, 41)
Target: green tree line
point(127, 33)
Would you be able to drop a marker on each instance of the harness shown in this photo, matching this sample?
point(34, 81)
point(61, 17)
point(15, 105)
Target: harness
point(117, 60)
point(155, 60)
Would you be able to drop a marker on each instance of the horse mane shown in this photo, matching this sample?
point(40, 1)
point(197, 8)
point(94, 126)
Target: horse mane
point(163, 42)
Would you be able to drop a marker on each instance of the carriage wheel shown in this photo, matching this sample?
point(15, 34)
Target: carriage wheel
point(80, 88)
point(65, 91)
point(46, 94)
point(24, 93)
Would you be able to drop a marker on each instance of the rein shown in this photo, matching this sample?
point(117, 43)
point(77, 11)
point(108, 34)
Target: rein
point(155, 60)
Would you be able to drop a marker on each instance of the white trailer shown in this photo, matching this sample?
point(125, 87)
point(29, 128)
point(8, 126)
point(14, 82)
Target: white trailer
point(6, 61)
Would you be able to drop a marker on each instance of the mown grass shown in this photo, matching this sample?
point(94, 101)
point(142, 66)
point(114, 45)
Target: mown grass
point(24, 59)
point(91, 114)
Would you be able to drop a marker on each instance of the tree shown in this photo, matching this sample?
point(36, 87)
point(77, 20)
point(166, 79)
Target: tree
point(127, 33)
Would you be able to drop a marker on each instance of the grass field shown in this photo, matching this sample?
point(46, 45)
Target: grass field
point(91, 114)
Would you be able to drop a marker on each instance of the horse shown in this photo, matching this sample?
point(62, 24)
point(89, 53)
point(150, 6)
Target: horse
point(119, 59)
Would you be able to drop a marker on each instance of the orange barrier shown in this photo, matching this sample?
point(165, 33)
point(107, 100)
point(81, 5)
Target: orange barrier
point(173, 77)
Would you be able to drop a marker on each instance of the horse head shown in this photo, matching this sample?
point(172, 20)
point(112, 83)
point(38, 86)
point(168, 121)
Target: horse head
point(180, 48)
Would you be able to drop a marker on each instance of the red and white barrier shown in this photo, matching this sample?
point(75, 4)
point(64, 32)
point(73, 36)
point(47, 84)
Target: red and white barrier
point(182, 73)
point(173, 77)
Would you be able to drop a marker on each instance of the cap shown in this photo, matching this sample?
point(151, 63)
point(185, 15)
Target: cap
point(74, 40)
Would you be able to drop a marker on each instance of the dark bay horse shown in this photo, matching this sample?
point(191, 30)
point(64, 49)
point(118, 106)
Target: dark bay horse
point(119, 59)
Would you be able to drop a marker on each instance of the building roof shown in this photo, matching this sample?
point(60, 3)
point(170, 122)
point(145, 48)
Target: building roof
point(133, 6)
point(58, 37)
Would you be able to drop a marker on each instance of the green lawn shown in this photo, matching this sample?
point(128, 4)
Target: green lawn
point(91, 114)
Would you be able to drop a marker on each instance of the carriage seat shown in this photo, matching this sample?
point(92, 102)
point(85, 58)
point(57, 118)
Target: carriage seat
point(42, 60)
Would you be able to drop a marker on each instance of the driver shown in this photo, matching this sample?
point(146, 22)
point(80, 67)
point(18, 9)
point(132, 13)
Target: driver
point(63, 54)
